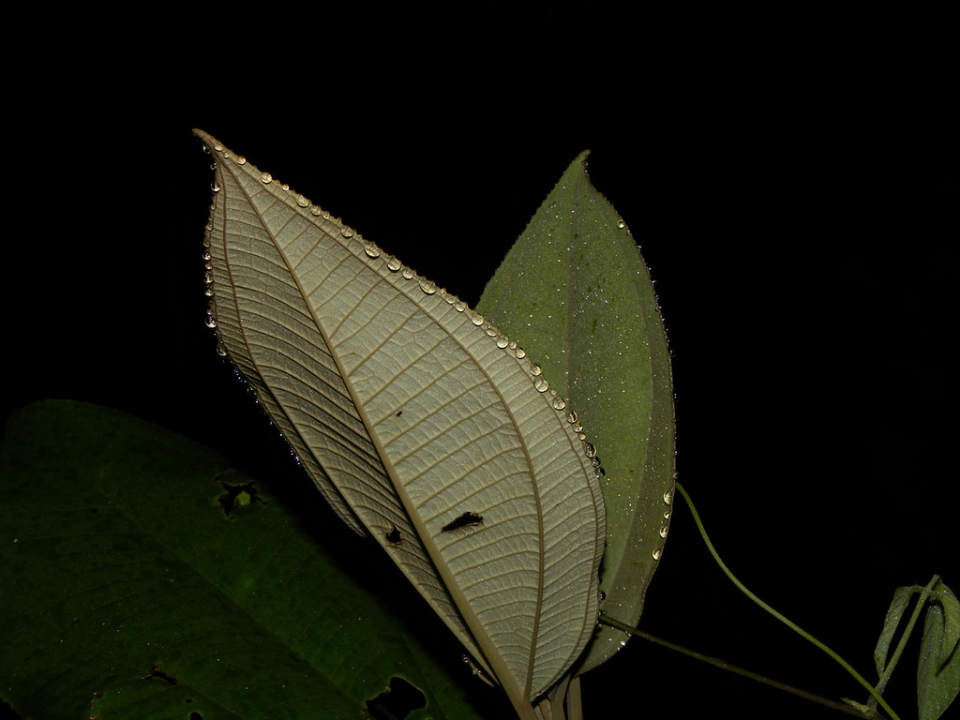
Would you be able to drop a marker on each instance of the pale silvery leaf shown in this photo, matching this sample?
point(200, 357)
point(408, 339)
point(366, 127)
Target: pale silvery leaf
point(421, 424)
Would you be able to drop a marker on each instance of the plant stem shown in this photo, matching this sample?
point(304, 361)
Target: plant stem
point(724, 665)
point(843, 663)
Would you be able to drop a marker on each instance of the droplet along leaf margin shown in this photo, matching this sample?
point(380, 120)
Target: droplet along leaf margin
point(407, 409)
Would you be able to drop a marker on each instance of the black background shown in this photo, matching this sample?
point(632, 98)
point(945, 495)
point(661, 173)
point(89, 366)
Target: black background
point(792, 182)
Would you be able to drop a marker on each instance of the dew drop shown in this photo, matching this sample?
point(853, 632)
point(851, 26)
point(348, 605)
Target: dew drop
point(572, 417)
point(208, 292)
point(213, 165)
point(315, 210)
point(285, 187)
point(558, 403)
point(666, 515)
point(208, 278)
point(657, 553)
point(541, 384)
point(221, 349)
point(578, 426)
point(407, 273)
point(211, 322)
point(603, 596)
point(621, 224)
point(668, 497)
point(393, 264)
point(451, 299)
point(302, 201)
point(663, 531)
point(502, 341)
point(477, 319)
point(491, 330)
point(241, 160)
point(428, 287)
point(205, 149)
point(347, 232)
point(459, 305)
point(521, 353)
point(370, 249)
point(589, 450)
point(218, 147)
point(536, 370)
point(215, 187)
point(266, 178)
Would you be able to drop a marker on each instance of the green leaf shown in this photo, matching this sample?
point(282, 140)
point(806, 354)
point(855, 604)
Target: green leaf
point(135, 585)
point(938, 672)
point(575, 290)
point(901, 598)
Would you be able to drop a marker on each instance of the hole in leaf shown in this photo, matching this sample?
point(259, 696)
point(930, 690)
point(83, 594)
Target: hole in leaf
point(158, 674)
point(236, 496)
point(468, 518)
point(196, 716)
point(394, 537)
point(400, 700)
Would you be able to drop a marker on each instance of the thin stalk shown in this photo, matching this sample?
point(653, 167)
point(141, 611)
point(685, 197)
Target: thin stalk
point(792, 625)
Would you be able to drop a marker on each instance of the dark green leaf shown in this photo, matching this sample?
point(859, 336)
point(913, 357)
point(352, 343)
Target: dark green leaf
point(139, 583)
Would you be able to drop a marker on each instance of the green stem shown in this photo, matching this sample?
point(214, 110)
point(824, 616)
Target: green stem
point(843, 663)
point(724, 665)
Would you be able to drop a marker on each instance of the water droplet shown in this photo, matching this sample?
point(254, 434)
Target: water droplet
point(558, 403)
point(266, 178)
point(315, 210)
point(521, 353)
point(208, 292)
point(302, 201)
point(668, 497)
point(213, 165)
point(541, 384)
point(407, 273)
point(491, 330)
point(578, 426)
point(621, 224)
point(241, 160)
point(572, 417)
point(208, 278)
point(477, 319)
point(370, 249)
point(393, 263)
point(459, 305)
point(346, 231)
point(211, 322)
point(589, 450)
point(215, 187)
point(285, 187)
point(502, 341)
point(666, 515)
point(205, 149)
point(663, 531)
point(451, 299)
point(657, 553)
point(221, 349)
point(536, 370)
point(428, 287)
point(603, 596)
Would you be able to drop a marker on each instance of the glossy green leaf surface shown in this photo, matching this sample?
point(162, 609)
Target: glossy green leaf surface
point(575, 290)
point(133, 588)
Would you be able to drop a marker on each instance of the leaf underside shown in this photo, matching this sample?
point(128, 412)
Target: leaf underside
point(408, 410)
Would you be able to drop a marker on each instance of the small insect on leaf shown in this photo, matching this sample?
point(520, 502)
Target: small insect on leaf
point(468, 518)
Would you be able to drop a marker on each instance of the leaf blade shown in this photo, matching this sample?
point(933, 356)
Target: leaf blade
point(416, 411)
point(603, 341)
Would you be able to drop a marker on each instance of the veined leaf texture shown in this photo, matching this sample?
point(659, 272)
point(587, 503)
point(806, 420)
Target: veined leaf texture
point(419, 421)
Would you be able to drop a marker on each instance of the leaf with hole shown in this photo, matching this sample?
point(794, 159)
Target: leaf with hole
point(415, 417)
